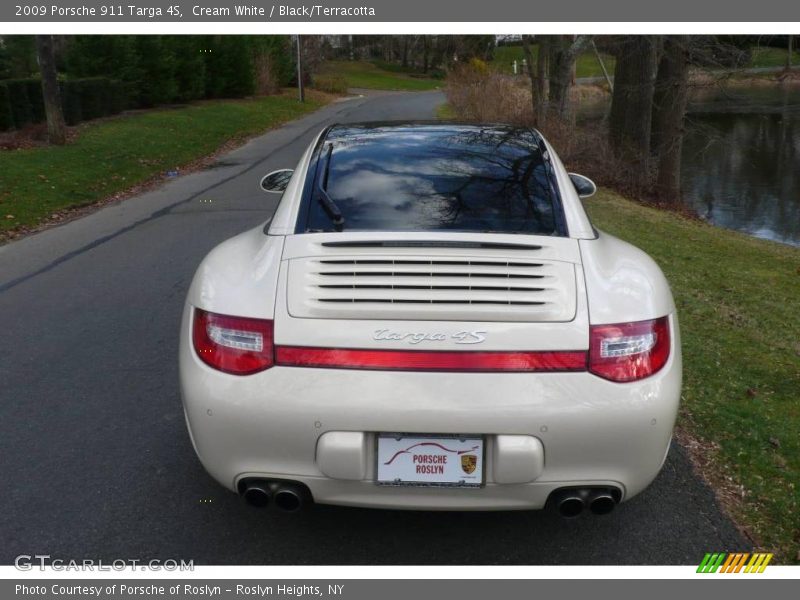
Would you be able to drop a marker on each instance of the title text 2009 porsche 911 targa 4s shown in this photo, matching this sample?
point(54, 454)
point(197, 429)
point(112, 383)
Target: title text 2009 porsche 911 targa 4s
point(430, 321)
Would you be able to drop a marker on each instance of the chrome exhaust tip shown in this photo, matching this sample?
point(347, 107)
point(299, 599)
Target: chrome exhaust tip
point(571, 501)
point(287, 496)
point(290, 497)
point(570, 505)
point(257, 493)
point(602, 502)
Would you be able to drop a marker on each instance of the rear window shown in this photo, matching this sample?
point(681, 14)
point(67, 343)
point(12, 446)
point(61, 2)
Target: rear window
point(433, 179)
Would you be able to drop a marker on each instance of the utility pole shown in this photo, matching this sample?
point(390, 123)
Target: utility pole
point(300, 89)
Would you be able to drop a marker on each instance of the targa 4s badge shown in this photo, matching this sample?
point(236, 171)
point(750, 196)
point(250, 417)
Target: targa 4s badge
point(417, 337)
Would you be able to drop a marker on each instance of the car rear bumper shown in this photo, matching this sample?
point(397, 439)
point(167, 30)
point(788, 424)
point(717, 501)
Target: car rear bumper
point(593, 433)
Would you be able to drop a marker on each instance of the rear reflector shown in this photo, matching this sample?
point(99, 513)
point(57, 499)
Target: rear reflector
point(415, 360)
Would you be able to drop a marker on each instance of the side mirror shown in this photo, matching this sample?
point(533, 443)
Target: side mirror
point(583, 185)
point(276, 181)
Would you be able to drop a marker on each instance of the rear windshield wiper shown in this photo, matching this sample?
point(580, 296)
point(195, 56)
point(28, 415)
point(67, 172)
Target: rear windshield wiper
point(324, 198)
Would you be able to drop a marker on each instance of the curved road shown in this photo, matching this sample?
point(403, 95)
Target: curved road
point(96, 461)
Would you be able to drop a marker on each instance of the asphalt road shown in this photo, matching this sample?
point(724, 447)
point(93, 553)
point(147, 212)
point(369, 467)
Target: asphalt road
point(95, 460)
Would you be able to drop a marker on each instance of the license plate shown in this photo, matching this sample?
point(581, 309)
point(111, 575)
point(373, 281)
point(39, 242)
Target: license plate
point(424, 460)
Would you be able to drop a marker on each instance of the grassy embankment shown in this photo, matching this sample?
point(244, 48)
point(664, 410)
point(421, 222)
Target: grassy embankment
point(586, 64)
point(367, 75)
point(113, 155)
point(738, 302)
point(765, 56)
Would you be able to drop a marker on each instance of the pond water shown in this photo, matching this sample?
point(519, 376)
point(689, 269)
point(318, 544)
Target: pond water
point(741, 160)
point(741, 157)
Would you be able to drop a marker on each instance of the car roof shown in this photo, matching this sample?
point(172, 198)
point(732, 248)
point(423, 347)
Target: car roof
point(341, 132)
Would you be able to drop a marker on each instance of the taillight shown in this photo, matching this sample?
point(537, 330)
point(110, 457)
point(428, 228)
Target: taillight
point(629, 351)
point(237, 345)
point(419, 360)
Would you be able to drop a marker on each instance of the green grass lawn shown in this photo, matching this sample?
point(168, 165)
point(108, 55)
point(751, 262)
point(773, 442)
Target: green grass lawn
point(363, 74)
point(114, 155)
point(445, 112)
point(765, 56)
point(738, 302)
point(586, 64)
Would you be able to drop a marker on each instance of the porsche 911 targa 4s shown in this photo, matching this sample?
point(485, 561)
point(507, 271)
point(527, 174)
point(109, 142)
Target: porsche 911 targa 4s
point(430, 321)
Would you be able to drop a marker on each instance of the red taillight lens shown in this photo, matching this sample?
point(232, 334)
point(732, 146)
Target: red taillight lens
point(235, 345)
point(629, 351)
point(419, 360)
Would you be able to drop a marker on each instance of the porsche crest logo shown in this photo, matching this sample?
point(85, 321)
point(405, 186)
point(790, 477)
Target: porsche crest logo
point(469, 462)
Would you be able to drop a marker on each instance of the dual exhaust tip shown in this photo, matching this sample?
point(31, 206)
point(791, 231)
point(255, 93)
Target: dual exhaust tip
point(289, 496)
point(571, 502)
point(286, 496)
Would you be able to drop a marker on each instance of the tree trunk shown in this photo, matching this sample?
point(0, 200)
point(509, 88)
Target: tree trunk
point(669, 108)
point(536, 98)
point(631, 103)
point(542, 87)
point(564, 51)
point(789, 54)
point(56, 130)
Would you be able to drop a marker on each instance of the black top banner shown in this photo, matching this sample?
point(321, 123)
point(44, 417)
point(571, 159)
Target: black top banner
point(440, 11)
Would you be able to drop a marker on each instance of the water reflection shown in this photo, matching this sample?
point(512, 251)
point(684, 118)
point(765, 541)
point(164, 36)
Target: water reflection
point(741, 162)
point(741, 158)
point(435, 178)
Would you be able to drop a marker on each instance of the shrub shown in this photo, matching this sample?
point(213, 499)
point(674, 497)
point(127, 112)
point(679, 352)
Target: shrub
point(490, 97)
point(107, 56)
point(6, 116)
point(92, 98)
point(36, 97)
point(331, 84)
point(478, 66)
point(190, 67)
point(477, 93)
point(229, 65)
point(273, 62)
point(95, 97)
point(157, 62)
point(20, 102)
point(71, 101)
point(117, 96)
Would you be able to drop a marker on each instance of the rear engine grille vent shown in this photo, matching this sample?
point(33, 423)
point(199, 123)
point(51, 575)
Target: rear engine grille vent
point(422, 288)
point(399, 272)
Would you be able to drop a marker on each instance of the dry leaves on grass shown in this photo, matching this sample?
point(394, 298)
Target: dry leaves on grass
point(729, 493)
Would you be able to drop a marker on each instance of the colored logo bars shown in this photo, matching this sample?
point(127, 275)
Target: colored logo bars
point(734, 562)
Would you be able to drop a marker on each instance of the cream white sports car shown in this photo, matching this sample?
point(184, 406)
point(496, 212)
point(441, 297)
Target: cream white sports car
point(430, 321)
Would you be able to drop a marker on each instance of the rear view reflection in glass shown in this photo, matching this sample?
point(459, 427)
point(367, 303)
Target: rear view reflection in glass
point(473, 179)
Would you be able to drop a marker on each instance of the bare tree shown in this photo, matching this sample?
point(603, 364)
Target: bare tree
point(556, 58)
point(670, 96)
point(564, 50)
point(542, 84)
point(56, 130)
point(631, 104)
point(538, 97)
